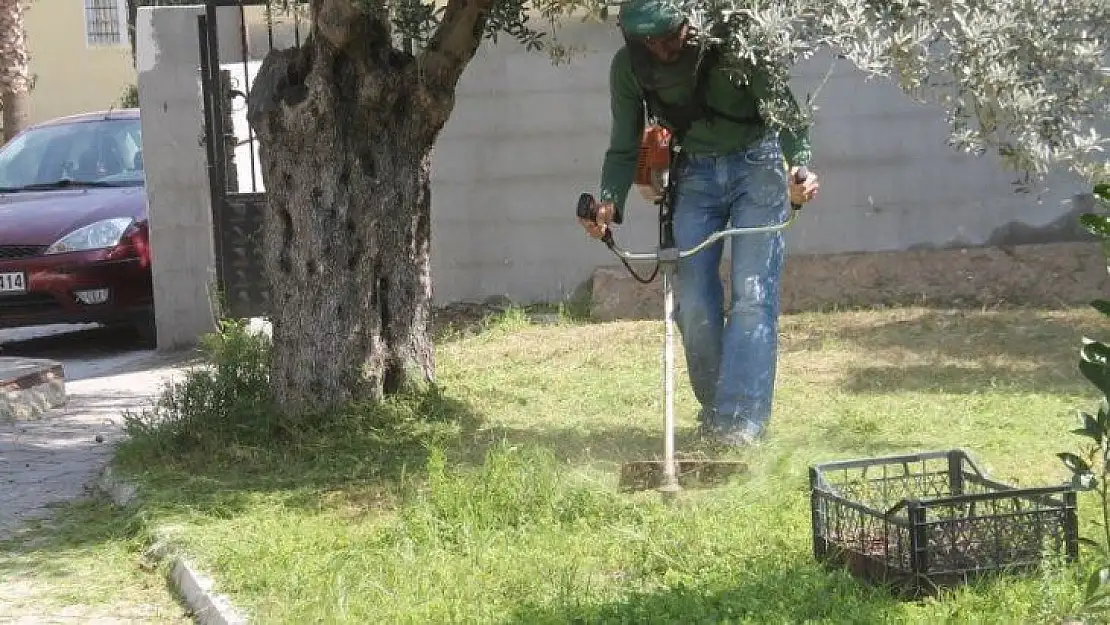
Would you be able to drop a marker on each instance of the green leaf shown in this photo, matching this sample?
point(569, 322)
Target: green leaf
point(1098, 225)
point(1096, 351)
point(1101, 305)
point(1084, 481)
point(1097, 602)
point(1093, 544)
point(1090, 427)
point(1077, 465)
point(1094, 364)
point(1097, 374)
point(1102, 190)
point(1094, 583)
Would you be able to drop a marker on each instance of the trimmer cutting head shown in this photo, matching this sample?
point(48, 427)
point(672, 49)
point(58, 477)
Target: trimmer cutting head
point(692, 473)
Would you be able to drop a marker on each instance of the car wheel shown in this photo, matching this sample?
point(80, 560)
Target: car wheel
point(147, 332)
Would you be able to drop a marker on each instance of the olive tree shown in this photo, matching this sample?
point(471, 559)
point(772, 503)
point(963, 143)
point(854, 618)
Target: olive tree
point(1027, 79)
point(15, 72)
point(347, 121)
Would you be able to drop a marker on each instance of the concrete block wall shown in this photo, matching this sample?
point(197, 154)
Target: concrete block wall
point(525, 139)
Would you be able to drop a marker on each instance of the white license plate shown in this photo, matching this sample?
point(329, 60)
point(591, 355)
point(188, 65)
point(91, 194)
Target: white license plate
point(13, 283)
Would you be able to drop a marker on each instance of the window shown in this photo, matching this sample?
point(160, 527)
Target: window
point(103, 151)
point(105, 23)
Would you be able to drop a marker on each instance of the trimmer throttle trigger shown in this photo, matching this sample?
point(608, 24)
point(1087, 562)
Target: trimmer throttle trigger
point(587, 209)
point(799, 177)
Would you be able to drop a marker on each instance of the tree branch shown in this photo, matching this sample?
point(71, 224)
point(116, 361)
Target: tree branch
point(343, 23)
point(454, 43)
point(333, 20)
point(280, 82)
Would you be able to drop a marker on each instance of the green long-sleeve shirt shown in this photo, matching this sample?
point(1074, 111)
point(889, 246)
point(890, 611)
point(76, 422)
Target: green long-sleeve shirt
point(717, 137)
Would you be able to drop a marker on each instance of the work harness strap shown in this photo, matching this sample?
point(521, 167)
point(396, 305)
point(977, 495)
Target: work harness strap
point(677, 117)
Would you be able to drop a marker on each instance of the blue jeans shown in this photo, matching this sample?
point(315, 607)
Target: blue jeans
point(731, 362)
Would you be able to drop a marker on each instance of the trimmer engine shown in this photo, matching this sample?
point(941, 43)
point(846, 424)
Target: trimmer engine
point(653, 162)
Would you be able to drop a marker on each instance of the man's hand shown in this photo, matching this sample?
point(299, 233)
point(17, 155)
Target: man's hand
point(802, 192)
point(649, 192)
point(597, 228)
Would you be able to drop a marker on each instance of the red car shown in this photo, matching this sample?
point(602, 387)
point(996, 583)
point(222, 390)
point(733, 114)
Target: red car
point(73, 224)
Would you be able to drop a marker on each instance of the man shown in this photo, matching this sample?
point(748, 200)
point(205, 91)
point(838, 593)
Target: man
point(735, 168)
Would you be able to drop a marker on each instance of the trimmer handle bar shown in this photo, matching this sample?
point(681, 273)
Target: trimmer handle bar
point(587, 209)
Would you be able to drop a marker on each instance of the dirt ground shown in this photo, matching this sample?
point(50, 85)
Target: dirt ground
point(1043, 275)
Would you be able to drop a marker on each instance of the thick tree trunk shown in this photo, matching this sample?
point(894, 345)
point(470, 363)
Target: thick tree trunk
point(17, 110)
point(345, 155)
point(346, 125)
point(15, 72)
point(348, 262)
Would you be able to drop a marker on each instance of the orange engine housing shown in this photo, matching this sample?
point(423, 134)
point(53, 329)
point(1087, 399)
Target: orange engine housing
point(655, 155)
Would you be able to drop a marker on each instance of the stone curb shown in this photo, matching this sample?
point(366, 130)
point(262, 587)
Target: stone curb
point(195, 588)
point(30, 388)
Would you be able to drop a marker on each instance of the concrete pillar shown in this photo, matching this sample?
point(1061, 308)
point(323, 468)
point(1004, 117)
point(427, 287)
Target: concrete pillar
point(178, 195)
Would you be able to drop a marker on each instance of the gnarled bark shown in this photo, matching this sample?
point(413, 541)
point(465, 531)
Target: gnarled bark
point(15, 73)
point(346, 125)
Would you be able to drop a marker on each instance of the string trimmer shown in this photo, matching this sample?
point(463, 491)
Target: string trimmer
point(670, 474)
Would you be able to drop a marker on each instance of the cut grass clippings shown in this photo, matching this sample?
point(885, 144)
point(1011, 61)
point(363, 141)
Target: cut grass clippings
point(494, 500)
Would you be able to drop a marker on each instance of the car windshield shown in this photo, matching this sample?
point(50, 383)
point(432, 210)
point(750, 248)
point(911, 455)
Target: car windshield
point(102, 152)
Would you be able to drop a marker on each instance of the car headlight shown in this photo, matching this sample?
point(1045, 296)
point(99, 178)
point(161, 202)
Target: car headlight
point(94, 236)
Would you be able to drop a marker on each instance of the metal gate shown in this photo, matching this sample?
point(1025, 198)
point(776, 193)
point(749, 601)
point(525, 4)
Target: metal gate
point(250, 29)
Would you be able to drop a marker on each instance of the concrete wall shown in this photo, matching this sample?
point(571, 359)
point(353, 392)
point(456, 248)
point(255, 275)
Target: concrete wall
point(70, 76)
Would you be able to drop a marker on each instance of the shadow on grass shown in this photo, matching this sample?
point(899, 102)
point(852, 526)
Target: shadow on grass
point(1017, 350)
point(369, 456)
point(212, 467)
point(373, 450)
point(372, 447)
point(363, 455)
point(838, 441)
point(84, 556)
point(1059, 377)
point(461, 320)
point(1016, 334)
point(598, 446)
point(792, 593)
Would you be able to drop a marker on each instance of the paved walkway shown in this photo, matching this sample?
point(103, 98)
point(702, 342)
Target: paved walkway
point(51, 459)
point(54, 459)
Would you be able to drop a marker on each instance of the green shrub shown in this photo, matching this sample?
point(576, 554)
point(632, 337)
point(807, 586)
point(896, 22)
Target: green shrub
point(130, 97)
point(1091, 467)
point(223, 403)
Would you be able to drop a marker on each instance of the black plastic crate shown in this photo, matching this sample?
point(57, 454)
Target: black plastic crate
point(924, 521)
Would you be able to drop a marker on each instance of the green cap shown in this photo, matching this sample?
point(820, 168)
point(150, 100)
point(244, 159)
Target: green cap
point(650, 18)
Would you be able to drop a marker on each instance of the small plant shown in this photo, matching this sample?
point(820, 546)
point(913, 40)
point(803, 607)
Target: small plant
point(226, 402)
point(130, 97)
point(1091, 469)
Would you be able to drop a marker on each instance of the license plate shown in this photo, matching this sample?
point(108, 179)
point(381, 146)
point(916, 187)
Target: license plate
point(13, 283)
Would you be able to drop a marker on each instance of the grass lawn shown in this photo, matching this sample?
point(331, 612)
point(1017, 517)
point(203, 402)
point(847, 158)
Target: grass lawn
point(496, 501)
point(80, 567)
